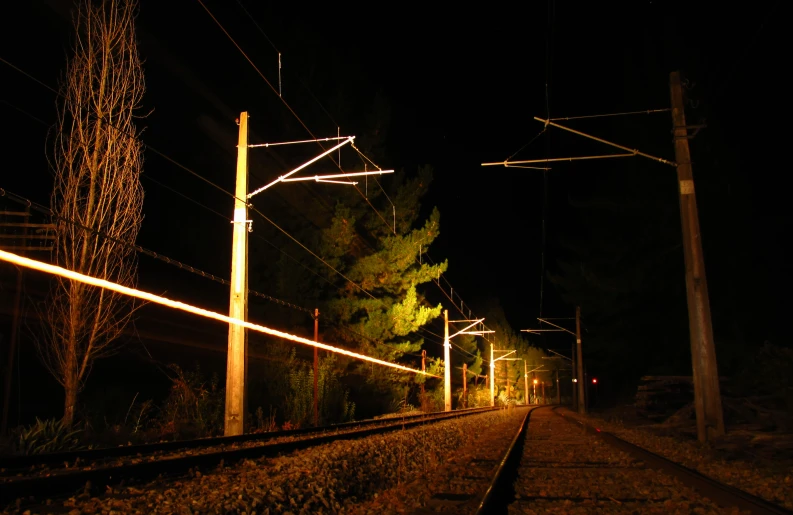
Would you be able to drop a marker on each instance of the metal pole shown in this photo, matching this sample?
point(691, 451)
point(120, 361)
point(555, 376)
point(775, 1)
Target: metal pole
point(506, 380)
point(526, 380)
point(492, 378)
point(423, 369)
point(465, 385)
point(707, 396)
point(534, 389)
point(316, 368)
point(447, 374)
point(580, 362)
point(236, 369)
point(558, 390)
point(574, 373)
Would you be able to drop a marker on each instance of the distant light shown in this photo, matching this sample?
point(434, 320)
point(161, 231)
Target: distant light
point(594, 380)
point(125, 290)
point(535, 381)
point(575, 380)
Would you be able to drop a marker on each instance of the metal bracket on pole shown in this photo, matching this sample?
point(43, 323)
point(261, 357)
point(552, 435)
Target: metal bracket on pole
point(304, 165)
point(248, 223)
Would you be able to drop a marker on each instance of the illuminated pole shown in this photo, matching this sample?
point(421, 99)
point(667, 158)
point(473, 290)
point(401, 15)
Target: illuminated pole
point(447, 374)
point(236, 364)
point(423, 369)
point(465, 385)
point(579, 362)
point(316, 368)
point(492, 378)
point(574, 373)
point(526, 380)
point(558, 389)
point(707, 396)
point(542, 385)
point(534, 385)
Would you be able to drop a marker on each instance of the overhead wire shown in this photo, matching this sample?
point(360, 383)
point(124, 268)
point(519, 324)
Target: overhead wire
point(123, 132)
point(302, 123)
point(626, 113)
point(185, 168)
point(195, 174)
point(182, 306)
point(548, 62)
point(150, 253)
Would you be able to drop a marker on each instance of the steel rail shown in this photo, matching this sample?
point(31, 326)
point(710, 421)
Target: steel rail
point(98, 479)
point(13, 463)
point(720, 493)
point(501, 477)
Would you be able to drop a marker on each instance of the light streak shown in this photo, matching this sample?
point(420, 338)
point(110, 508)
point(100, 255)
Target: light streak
point(150, 297)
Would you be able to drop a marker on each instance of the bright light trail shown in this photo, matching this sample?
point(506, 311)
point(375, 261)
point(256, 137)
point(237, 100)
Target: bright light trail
point(150, 297)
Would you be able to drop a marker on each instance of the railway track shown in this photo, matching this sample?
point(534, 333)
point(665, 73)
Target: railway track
point(516, 461)
point(556, 464)
point(95, 470)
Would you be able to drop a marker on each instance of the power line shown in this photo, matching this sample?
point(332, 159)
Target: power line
point(626, 113)
point(150, 253)
point(255, 210)
point(190, 199)
point(258, 27)
point(361, 154)
point(12, 106)
point(183, 167)
point(543, 237)
point(250, 61)
point(121, 131)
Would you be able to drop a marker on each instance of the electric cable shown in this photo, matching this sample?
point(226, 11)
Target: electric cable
point(47, 211)
point(250, 61)
point(183, 167)
point(123, 132)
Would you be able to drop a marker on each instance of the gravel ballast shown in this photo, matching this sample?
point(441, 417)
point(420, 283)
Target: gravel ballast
point(768, 483)
point(354, 476)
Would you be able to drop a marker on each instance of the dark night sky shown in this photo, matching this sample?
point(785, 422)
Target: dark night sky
point(463, 87)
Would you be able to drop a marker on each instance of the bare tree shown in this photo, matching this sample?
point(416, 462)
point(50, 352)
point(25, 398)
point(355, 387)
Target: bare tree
point(97, 162)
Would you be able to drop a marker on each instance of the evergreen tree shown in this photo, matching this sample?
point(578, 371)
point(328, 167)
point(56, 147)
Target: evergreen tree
point(380, 309)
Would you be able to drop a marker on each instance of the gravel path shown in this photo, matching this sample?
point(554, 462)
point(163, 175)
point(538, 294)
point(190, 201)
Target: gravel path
point(769, 483)
point(391, 473)
point(566, 470)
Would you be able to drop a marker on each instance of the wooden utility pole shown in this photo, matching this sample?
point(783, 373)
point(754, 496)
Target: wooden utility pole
point(316, 368)
point(236, 365)
point(543, 392)
point(447, 373)
point(492, 377)
point(465, 385)
point(579, 362)
point(707, 397)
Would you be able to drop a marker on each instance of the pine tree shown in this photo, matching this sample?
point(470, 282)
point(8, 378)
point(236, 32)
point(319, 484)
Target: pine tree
point(380, 309)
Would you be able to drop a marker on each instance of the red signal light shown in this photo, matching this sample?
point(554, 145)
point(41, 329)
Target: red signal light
point(594, 380)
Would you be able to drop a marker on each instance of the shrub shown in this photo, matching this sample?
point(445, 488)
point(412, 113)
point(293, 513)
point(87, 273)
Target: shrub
point(47, 436)
point(194, 406)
